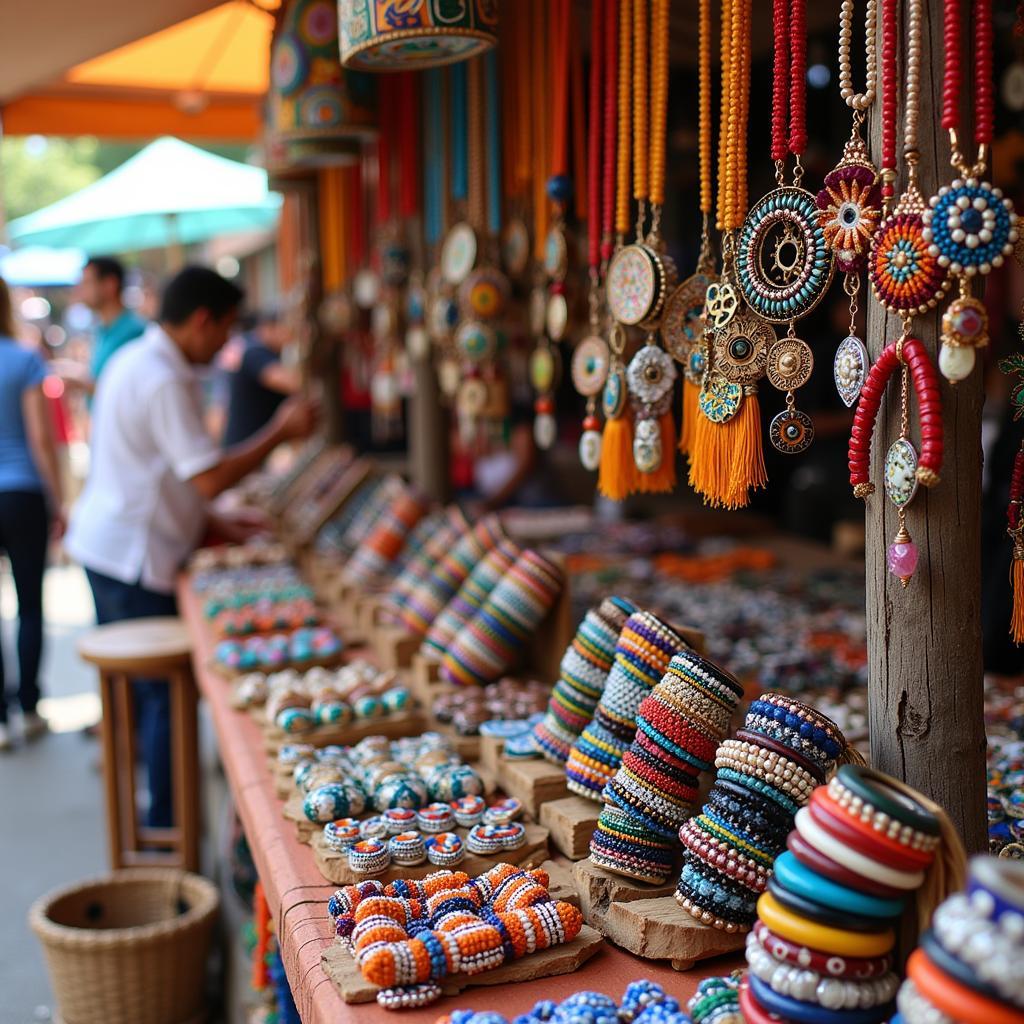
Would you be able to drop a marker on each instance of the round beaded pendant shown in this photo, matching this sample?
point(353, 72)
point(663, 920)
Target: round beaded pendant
point(590, 365)
point(905, 276)
point(969, 227)
point(639, 280)
point(476, 341)
point(849, 209)
point(783, 262)
point(682, 326)
point(651, 375)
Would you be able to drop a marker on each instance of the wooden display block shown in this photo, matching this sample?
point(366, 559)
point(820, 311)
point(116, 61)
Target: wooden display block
point(367, 605)
point(425, 678)
point(659, 929)
point(408, 723)
point(599, 889)
point(532, 782)
point(491, 749)
point(341, 968)
point(395, 646)
point(571, 822)
point(334, 866)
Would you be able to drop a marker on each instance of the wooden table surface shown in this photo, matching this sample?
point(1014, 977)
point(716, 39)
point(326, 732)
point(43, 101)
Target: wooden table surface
point(297, 894)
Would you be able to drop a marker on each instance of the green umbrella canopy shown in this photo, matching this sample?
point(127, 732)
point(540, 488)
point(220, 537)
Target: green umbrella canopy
point(170, 193)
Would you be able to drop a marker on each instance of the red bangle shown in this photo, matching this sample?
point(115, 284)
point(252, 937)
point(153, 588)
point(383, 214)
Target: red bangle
point(952, 998)
point(813, 858)
point(862, 837)
point(751, 1008)
point(849, 968)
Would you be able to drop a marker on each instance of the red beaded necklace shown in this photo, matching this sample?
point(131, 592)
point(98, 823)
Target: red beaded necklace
point(1015, 528)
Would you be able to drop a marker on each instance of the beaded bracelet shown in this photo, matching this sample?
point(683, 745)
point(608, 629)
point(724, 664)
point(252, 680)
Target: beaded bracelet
point(695, 902)
point(501, 812)
point(469, 810)
point(766, 742)
point(341, 834)
point(435, 817)
point(369, 857)
point(407, 849)
point(810, 723)
point(809, 1013)
point(916, 1009)
point(399, 819)
point(953, 998)
point(832, 965)
point(874, 797)
point(374, 828)
point(445, 849)
point(718, 854)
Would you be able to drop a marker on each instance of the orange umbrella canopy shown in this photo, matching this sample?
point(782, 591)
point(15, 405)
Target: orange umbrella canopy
point(203, 77)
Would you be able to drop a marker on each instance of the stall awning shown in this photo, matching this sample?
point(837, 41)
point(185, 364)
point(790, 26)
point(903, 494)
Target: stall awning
point(203, 77)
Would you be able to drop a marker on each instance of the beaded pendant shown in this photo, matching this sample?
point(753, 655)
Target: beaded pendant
point(849, 206)
point(783, 261)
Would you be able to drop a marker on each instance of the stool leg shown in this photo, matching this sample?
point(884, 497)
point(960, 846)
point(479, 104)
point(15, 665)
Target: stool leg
point(125, 740)
point(185, 747)
point(108, 732)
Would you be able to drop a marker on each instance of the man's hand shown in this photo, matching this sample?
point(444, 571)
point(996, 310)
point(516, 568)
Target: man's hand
point(238, 525)
point(296, 418)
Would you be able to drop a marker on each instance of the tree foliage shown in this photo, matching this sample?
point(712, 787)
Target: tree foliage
point(35, 172)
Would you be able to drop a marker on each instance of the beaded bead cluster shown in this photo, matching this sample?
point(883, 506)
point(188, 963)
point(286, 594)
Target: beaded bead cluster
point(679, 725)
point(581, 679)
point(765, 774)
point(645, 647)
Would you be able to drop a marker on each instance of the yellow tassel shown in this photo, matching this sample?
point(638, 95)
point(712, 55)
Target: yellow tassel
point(691, 412)
point(709, 470)
point(1017, 622)
point(746, 466)
point(617, 473)
point(663, 479)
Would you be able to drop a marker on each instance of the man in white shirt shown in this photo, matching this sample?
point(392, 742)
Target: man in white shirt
point(154, 470)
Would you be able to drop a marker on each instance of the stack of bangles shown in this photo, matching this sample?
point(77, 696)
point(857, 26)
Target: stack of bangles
point(765, 775)
point(414, 933)
point(970, 965)
point(821, 950)
point(582, 676)
point(645, 647)
point(384, 542)
point(679, 725)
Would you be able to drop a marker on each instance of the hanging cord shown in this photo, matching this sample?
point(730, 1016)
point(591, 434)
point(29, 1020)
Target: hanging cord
point(459, 130)
point(625, 124)
point(493, 123)
point(595, 207)
point(477, 205)
point(408, 146)
point(611, 56)
point(433, 168)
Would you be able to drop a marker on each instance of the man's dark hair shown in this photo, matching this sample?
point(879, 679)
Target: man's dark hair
point(198, 288)
point(107, 266)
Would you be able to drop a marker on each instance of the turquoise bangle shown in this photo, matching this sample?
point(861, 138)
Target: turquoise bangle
point(800, 879)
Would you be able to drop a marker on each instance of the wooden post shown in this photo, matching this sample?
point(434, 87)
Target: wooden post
point(428, 433)
point(925, 696)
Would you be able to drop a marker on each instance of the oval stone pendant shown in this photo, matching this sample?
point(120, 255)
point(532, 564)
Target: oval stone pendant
point(850, 369)
point(901, 472)
point(590, 449)
point(545, 428)
point(647, 446)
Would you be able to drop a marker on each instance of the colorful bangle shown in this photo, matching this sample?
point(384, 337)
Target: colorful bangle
point(768, 743)
point(809, 1013)
point(950, 997)
point(831, 964)
point(861, 836)
point(916, 1009)
point(810, 723)
point(876, 790)
point(445, 849)
point(369, 857)
point(878, 821)
point(436, 817)
point(956, 969)
point(760, 786)
point(822, 937)
point(820, 864)
point(819, 914)
point(996, 886)
point(799, 879)
point(824, 841)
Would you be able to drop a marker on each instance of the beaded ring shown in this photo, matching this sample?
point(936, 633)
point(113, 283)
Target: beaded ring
point(341, 834)
point(374, 828)
point(399, 819)
point(436, 817)
point(503, 811)
point(369, 857)
point(407, 849)
point(445, 849)
point(409, 997)
point(469, 810)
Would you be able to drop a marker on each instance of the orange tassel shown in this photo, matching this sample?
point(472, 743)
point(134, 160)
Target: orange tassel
point(617, 474)
point(1017, 622)
point(709, 471)
point(746, 469)
point(663, 479)
point(688, 425)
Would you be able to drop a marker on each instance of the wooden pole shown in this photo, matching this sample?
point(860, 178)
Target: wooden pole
point(925, 699)
point(428, 433)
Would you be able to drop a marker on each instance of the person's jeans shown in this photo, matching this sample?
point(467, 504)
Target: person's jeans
point(116, 601)
point(24, 535)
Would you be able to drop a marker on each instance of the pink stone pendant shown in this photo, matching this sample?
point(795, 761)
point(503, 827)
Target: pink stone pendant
point(902, 556)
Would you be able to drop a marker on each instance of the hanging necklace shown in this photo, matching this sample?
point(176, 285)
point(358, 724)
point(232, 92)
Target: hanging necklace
point(905, 276)
point(850, 204)
point(970, 226)
point(726, 456)
point(545, 360)
point(640, 275)
point(906, 279)
point(783, 260)
point(682, 326)
point(1015, 528)
point(617, 474)
point(590, 358)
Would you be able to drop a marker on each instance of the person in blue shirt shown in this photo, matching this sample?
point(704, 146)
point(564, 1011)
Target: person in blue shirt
point(101, 290)
point(30, 507)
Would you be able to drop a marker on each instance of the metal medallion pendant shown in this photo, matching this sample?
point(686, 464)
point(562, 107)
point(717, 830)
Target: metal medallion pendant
point(442, 316)
point(719, 399)
point(791, 432)
point(590, 361)
point(901, 472)
point(741, 349)
point(483, 293)
point(556, 316)
point(590, 449)
point(651, 375)
point(970, 227)
point(458, 254)
point(720, 304)
point(790, 363)
point(783, 263)
point(556, 254)
point(850, 207)
point(682, 326)
point(545, 364)
point(905, 276)
point(476, 341)
point(638, 282)
point(647, 445)
point(850, 369)
point(515, 248)
point(613, 398)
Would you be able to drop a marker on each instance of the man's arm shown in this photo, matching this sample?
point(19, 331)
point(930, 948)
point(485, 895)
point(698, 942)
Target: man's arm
point(295, 419)
point(285, 380)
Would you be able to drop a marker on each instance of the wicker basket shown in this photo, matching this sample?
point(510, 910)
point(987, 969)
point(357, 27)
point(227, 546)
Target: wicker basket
point(129, 947)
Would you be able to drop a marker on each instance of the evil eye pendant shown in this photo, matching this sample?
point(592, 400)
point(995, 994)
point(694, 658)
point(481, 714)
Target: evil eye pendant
point(791, 432)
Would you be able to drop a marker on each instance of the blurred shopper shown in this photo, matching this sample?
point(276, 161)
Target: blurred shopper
point(101, 289)
point(260, 381)
point(28, 476)
point(154, 470)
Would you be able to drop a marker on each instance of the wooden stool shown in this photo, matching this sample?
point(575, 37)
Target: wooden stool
point(155, 648)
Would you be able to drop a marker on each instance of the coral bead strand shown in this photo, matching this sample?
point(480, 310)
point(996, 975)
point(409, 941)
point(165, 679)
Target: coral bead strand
point(798, 78)
point(704, 91)
point(780, 78)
